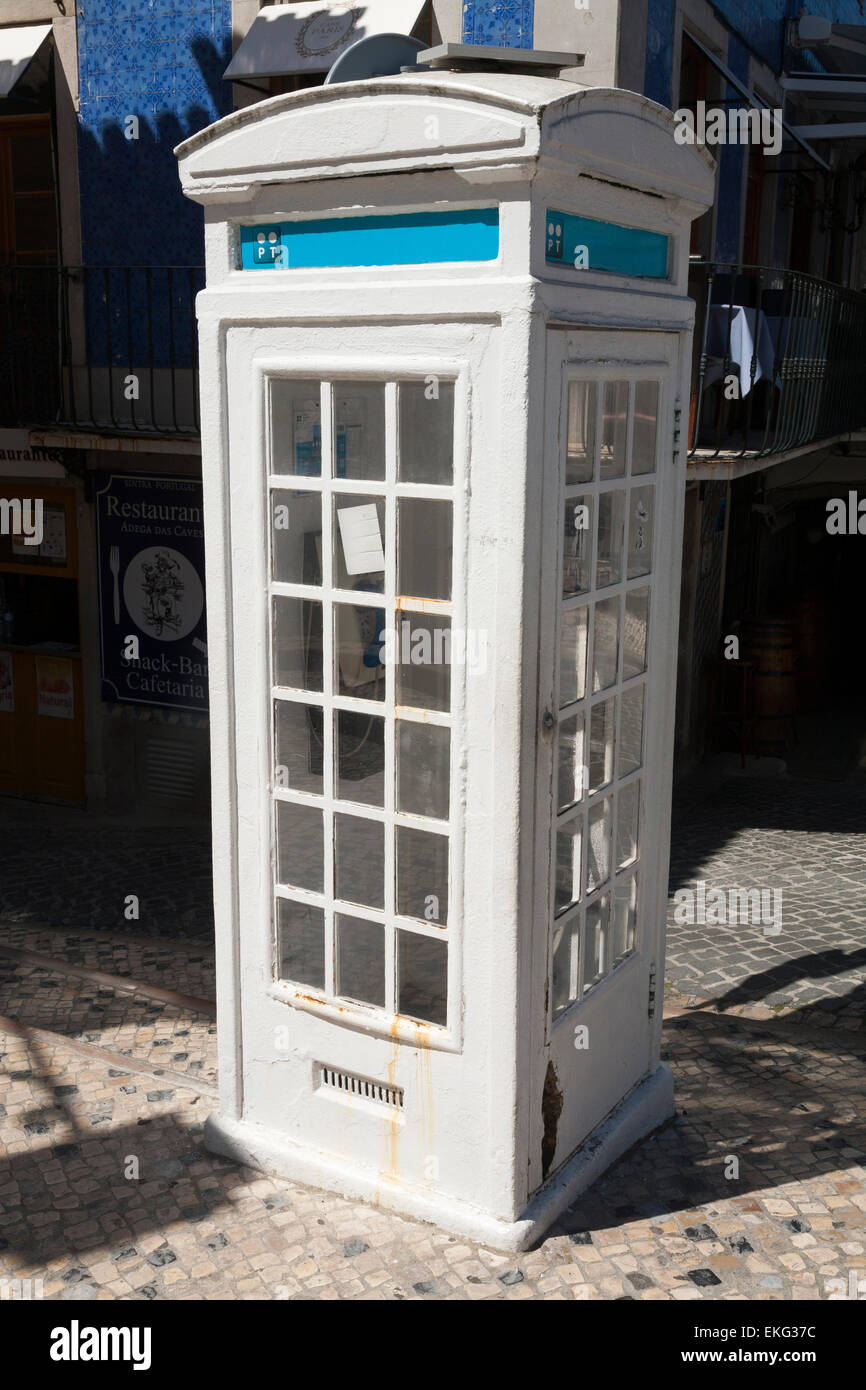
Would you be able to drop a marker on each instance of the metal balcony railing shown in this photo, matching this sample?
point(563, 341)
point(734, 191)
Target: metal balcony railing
point(101, 349)
point(779, 361)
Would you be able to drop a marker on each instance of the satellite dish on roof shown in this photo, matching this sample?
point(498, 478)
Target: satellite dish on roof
point(378, 55)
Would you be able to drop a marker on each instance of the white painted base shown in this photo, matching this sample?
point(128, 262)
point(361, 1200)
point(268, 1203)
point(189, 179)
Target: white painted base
point(649, 1105)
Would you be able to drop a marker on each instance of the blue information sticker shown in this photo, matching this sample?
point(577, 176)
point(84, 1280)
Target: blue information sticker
point(586, 244)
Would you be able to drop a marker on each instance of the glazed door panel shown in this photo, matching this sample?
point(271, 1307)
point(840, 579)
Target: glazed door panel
point(604, 785)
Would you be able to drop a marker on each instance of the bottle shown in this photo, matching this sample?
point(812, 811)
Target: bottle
point(8, 626)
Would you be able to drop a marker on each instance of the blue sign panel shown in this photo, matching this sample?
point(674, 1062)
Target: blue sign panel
point(151, 588)
point(585, 244)
point(413, 238)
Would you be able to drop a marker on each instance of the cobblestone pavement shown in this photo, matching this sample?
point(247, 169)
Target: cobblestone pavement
point(156, 1032)
point(73, 868)
point(805, 837)
point(756, 1190)
point(186, 968)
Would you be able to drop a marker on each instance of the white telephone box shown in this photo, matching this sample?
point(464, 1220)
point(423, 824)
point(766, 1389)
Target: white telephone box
point(444, 341)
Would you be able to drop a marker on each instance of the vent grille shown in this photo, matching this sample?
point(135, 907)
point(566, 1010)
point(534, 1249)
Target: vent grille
point(170, 770)
point(349, 1085)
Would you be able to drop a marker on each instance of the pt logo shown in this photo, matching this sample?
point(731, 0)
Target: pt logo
point(554, 239)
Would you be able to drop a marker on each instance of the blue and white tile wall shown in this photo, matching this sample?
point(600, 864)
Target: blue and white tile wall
point(161, 61)
point(659, 50)
point(498, 23)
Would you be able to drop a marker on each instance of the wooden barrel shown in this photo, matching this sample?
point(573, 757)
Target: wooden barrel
point(809, 617)
point(769, 644)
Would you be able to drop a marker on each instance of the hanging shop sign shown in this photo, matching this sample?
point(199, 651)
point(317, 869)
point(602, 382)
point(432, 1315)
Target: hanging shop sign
point(151, 591)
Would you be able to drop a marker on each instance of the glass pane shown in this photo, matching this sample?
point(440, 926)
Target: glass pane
point(298, 643)
point(602, 734)
point(598, 959)
point(640, 531)
point(359, 750)
point(611, 537)
point(423, 769)
point(422, 875)
point(359, 435)
point(359, 543)
point(577, 546)
point(627, 813)
point(635, 634)
point(426, 432)
point(422, 965)
point(359, 860)
point(423, 548)
point(300, 846)
point(614, 429)
point(646, 409)
point(631, 730)
point(574, 627)
point(573, 775)
point(423, 658)
point(360, 960)
point(296, 532)
point(580, 458)
point(566, 937)
point(598, 846)
point(296, 427)
point(624, 919)
point(568, 859)
point(358, 636)
point(605, 653)
point(300, 943)
point(298, 747)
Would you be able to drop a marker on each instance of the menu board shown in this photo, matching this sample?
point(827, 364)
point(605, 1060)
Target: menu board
point(151, 589)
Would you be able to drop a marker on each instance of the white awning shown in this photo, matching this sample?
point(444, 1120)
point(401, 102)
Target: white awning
point(310, 37)
point(18, 48)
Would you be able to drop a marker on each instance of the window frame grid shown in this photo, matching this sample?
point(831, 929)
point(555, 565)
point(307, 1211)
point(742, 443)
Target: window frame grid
point(328, 486)
point(578, 812)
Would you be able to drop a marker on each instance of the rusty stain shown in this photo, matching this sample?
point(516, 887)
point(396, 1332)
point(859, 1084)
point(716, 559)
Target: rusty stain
point(392, 1159)
point(426, 1096)
point(314, 999)
point(422, 605)
point(419, 716)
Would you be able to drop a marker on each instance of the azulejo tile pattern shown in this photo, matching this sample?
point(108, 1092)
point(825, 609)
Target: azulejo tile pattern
point(160, 61)
point(499, 23)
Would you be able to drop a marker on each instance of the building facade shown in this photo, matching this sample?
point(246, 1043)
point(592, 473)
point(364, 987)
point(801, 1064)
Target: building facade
point(101, 258)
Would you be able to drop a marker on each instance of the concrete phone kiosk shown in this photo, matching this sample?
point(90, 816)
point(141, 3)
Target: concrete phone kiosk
point(444, 340)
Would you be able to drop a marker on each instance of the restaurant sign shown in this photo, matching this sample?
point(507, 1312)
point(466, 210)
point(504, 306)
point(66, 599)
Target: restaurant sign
point(151, 591)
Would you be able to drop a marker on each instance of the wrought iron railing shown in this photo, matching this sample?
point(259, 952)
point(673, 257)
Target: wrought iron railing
point(103, 349)
point(779, 361)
